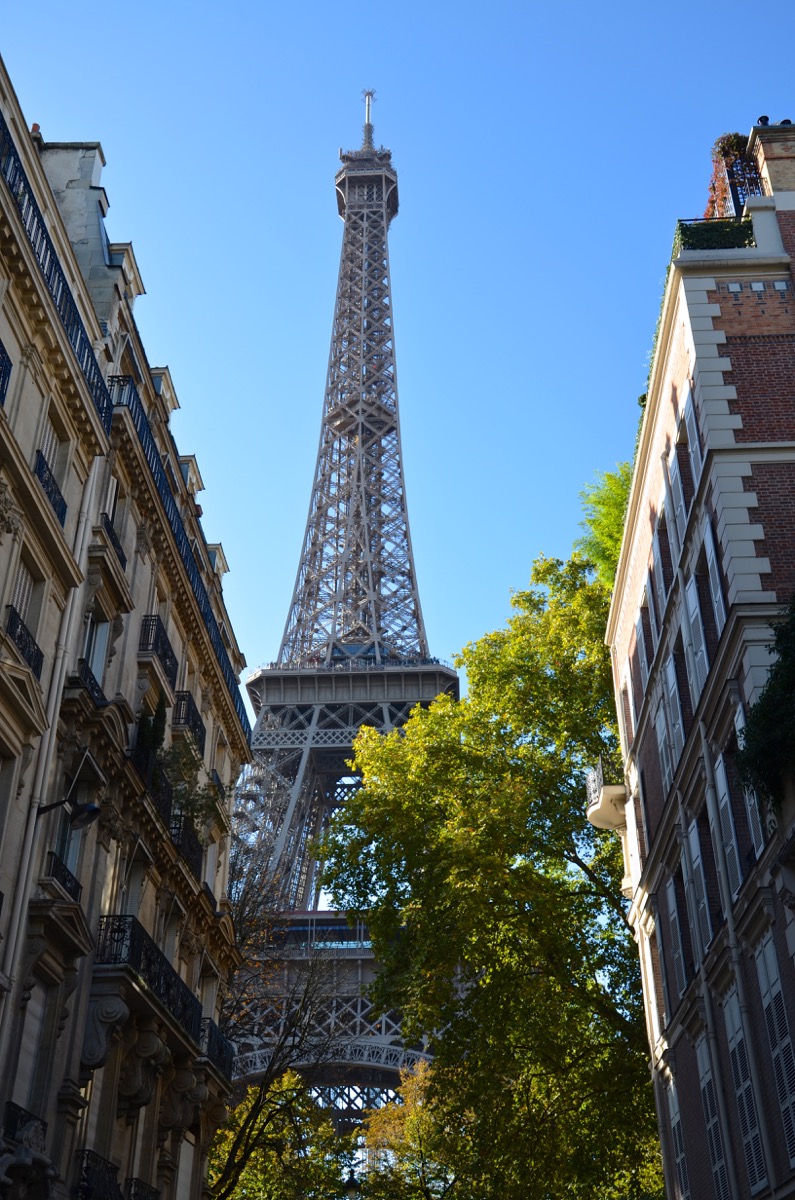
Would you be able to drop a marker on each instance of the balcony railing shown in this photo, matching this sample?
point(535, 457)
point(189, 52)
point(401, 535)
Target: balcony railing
point(721, 233)
point(138, 1189)
point(5, 373)
point(19, 1125)
point(155, 781)
point(99, 1179)
point(90, 682)
point(123, 941)
point(24, 641)
point(59, 871)
point(217, 1048)
point(113, 538)
point(51, 490)
point(187, 716)
point(184, 837)
point(125, 395)
point(216, 778)
point(154, 640)
point(52, 272)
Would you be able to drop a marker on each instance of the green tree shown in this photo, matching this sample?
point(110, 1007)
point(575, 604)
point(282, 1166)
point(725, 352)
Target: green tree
point(496, 910)
point(605, 505)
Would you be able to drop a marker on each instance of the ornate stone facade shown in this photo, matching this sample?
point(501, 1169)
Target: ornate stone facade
point(115, 646)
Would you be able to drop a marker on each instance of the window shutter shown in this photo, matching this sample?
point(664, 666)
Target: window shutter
point(49, 444)
point(676, 937)
point(655, 629)
point(746, 1105)
point(674, 709)
point(727, 833)
point(22, 590)
point(697, 639)
point(699, 885)
point(678, 494)
point(693, 440)
point(657, 577)
point(752, 812)
point(778, 1036)
point(715, 584)
point(661, 730)
point(678, 1143)
point(711, 1120)
point(640, 638)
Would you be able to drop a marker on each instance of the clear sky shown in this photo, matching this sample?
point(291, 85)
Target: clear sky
point(544, 153)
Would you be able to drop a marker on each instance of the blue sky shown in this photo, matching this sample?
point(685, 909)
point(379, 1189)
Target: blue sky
point(544, 154)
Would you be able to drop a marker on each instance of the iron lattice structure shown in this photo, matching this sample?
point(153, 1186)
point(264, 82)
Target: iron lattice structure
point(354, 650)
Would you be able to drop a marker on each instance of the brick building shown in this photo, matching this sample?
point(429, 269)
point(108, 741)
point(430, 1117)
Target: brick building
point(115, 646)
point(708, 560)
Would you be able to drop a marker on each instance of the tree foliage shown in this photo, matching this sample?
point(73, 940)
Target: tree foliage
point(605, 505)
point(496, 911)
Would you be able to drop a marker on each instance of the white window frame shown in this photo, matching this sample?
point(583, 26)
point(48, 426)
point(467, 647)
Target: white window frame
point(744, 1092)
point(701, 917)
point(778, 1035)
point(674, 707)
point(727, 831)
point(709, 1101)
point(693, 439)
point(715, 583)
point(678, 1141)
point(752, 810)
point(697, 640)
point(677, 950)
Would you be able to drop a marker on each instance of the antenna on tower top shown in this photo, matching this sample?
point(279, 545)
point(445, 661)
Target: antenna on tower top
point(369, 96)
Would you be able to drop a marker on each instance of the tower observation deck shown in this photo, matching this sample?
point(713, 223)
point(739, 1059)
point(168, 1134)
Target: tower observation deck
point(354, 650)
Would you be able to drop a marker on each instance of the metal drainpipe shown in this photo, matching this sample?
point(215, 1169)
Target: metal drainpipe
point(734, 945)
point(46, 750)
point(706, 995)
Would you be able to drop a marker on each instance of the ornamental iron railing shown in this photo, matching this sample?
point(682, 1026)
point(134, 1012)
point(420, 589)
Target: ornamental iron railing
point(742, 175)
point(20, 1125)
point(52, 272)
point(90, 682)
point(47, 480)
point(123, 941)
point(713, 233)
point(98, 1179)
point(139, 1189)
point(187, 716)
point(125, 395)
point(113, 538)
point(154, 640)
point(217, 1048)
point(24, 641)
point(184, 837)
point(594, 782)
point(58, 870)
point(216, 778)
point(157, 785)
point(5, 373)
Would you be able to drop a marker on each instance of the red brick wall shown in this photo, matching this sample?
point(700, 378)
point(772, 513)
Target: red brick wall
point(774, 484)
point(763, 372)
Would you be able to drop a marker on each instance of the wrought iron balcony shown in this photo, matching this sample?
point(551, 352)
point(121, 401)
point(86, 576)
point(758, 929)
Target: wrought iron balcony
point(5, 373)
point(606, 802)
point(138, 1189)
point(113, 538)
point(216, 778)
point(154, 640)
point(187, 716)
point(123, 941)
point(51, 490)
point(99, 1179)
point(24, 641)
point(155, 781)
point(183, 835)
point(59, 871)
point(90, 682)
point(19, 1125)
point(52, 272)
point(125, 395)
point(217, 1048)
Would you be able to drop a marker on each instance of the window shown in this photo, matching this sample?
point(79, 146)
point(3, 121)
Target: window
point(693, 440)
point(778, 1037)
point(702, 918)
point(682, 1181)
point(5, 373)
point(653, 624)
point(643, 656)
point(677, 952)
point(678, 496)
point(746, 1105)
point(752, 811)
point(709, 1102)
point(96, 645)
point(22, 590)
point(697, 640)
point(727, 831)
point(674, 709)
point(715, 583)
point(661, 730)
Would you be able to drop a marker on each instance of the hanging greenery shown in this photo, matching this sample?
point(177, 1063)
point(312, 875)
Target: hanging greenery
point(728, 148)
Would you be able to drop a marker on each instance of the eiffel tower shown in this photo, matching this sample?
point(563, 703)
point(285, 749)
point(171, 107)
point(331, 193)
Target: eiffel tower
point(354, 650)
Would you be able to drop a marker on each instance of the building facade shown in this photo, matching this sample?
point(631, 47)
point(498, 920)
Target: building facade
point(122, 729)
point(707, 563)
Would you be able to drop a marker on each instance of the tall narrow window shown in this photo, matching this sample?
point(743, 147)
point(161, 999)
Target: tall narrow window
point(658, 577)
point(96, 646)
point(678, 495)
point(727, 831)
point(752, 811)
point(674, 709)
point(22, 590)
point(682, 1181)
point(693, 440)
point(661, 730)
point(640, 638)
point(702, 917)
point(746, 1105)
point(655, 628)
point(709, 1102)
point(49, 444)
point(778, 1036)
point(697, 640)
point(676, 937)
point(715, 584)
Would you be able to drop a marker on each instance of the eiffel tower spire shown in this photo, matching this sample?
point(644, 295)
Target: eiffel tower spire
point(356, 593)
point(354, 649)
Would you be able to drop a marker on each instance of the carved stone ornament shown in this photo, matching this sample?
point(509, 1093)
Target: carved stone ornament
point(143, 539)
point(106, 1016)
point(177, 1103)
point(10, 515)
point(146, 1055)
point(111, 826)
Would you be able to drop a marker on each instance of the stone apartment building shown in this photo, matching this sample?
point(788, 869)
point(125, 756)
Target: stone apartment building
point(707, 563)
point(115, 934)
